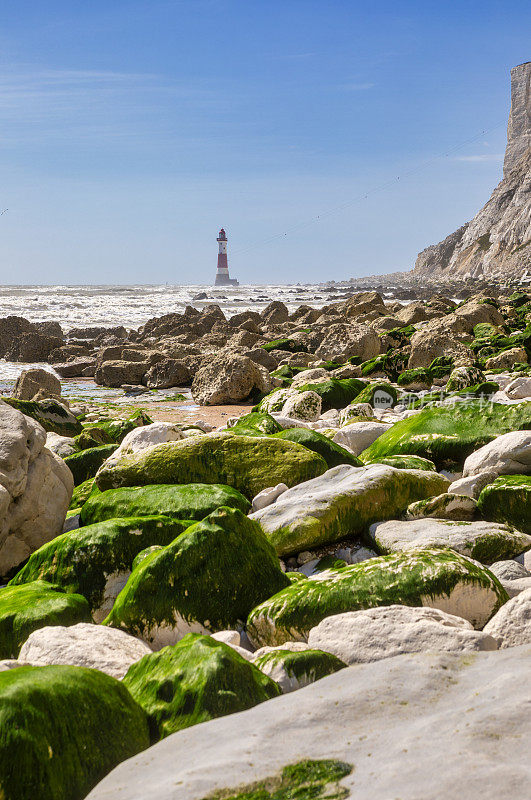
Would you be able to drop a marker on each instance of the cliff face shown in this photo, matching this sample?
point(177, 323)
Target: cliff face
point(519, 127)
point(497, 242)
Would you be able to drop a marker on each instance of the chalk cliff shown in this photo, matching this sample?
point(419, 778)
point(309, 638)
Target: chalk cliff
point(497, 242)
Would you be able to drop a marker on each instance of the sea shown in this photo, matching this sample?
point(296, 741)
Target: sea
point(132, 306)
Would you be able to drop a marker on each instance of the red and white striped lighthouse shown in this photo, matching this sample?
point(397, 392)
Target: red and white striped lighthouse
point(222, 274)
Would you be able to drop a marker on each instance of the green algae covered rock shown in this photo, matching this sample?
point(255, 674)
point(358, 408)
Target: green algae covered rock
point(273, 401)
point(293, 670)
point(196, 680)
point(145, 553)
point(290, 345)
point(403, 462)
point(371, 392)
point(247, 463)
point(439, 578)
point(62, 729)
point(463, 377)
point(51, 414)
point(96, 561)
point(24, 609)
point(86, 463)
point(413, 377)
point(335, 392)
point(207, 580)
point(332, 453)
point(343, 502)
point(92, 437)
point(448, 434)
point(256, 424)
point(305, 780)
point(192, 501)
point(116, 429)
point(82, 492)
point(508, 499)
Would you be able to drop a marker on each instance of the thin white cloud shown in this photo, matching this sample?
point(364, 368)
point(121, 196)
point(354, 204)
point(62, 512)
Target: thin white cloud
point(480, 157)
point(44, 104)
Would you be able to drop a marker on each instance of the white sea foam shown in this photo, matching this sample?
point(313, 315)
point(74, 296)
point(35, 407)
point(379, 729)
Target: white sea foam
point(132, 306)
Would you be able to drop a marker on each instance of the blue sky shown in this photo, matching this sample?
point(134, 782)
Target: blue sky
point(130, 131)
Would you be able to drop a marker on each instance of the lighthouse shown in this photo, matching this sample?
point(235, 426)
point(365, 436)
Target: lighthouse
point(222, 274)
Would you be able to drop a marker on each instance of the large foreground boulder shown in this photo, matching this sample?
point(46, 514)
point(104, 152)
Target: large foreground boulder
point(448, 435)
point(343, 502)
point(207, 580)
point(436, 578)
point(190, 501)
point(358, 637)
point(96, 560)
point(248, 464)
point(195, 680)
point(229, 378)
point(366, 732)
point(35, 489)
point(62, 729)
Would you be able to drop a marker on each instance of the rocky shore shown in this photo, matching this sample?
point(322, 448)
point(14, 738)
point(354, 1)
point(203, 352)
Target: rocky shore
point(326, 595)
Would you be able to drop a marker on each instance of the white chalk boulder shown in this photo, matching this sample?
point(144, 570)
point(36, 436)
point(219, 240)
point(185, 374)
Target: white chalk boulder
point(358, 637)
point(84, 645)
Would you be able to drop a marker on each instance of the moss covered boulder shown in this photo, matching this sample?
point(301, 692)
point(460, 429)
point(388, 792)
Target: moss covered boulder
point(379, 395)
point(86, 463)
point(145, 553)
point(294, 669)
point(438, 578)
point(192, 501)
point(116, 429)
point(463, 377)
point(247, 463)
point(508, 499)
point(52, 415)
point(62, 729)
point(207, 580)
point(256, 424)
point(419, 378)
point(335, 392)
point(92, 437)
point(332, 453)
point(82, 492)
point(196, 680)
point(96, 561)
point(24, 609)
point(343, 502)
point(448, 435)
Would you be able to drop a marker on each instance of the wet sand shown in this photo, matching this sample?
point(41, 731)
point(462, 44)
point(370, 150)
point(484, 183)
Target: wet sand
point(214, 415)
